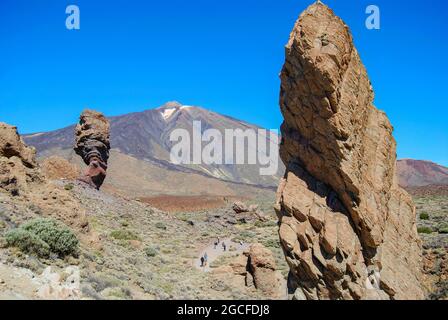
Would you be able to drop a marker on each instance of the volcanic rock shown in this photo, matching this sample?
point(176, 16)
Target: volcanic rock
point(56, 167)
point(262, 269)
point(240, 207)
point(93, 145)
point(348, 231)
point(23, 186)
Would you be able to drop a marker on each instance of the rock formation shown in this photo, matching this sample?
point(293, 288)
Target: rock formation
point(24, 189)
point(55, 167)
point(348, 231)
point(93, 145)
point(255, 269)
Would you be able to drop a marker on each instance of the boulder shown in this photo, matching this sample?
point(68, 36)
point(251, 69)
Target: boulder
point(240, 207)
point(342, 214)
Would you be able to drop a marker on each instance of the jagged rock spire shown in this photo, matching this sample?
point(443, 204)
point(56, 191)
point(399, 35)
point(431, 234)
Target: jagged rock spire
point(347, 229)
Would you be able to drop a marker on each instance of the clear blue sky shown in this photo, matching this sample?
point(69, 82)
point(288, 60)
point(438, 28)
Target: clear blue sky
point(223, 55)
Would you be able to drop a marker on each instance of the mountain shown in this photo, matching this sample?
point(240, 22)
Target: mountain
point(418, 173)
point(140, 157)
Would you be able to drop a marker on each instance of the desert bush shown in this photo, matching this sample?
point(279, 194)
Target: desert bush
point(27, 242)
point(425, 230)
point(443, 230)
point(160, 225)
point(272, 243)
point(265, 224)
point(424, 216)
point(151, 251)
point(124, 235)
point(59, 237)
point(69, 186)
point(42, 237)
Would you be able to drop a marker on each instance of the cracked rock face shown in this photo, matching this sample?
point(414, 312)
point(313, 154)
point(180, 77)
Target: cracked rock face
point(348, 231)
point(93, 145)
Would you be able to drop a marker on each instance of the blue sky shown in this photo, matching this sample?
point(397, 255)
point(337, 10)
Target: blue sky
point(223, 55)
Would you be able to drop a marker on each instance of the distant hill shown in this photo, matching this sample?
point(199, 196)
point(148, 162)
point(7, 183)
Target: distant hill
point(141, 153)
point(418, 173)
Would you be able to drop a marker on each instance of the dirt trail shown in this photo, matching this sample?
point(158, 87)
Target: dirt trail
point(214, 254)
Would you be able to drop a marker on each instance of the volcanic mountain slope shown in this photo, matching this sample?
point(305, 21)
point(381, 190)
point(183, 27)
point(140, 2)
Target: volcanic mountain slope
point(145, 136)
point(417, 173)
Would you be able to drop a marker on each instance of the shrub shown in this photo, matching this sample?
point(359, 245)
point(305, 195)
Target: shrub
point(69, 186)
point(151, 251)
point(272, 243)
point(27, 242)
point(424, 216)
point(124, 235)
point(59, 237)
point(160, 225)
point(444, 230)
point(425, 230)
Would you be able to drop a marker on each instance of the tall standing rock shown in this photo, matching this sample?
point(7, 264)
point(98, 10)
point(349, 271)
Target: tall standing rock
point(93, 145)
point(348, 231)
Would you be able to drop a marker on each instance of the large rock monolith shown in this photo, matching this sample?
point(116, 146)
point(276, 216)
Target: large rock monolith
point(93, 145)
point(347, 229)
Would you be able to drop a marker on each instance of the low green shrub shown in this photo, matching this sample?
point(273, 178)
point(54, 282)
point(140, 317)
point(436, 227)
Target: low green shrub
point(160, 225)
point(42, 237)
point(425, 230)
point(424, 216)
point(69, 186)
point(59, 237)
point(151, 251)
point(272, 243)
point(443, 230)
point(27, 242)
point(124, 235)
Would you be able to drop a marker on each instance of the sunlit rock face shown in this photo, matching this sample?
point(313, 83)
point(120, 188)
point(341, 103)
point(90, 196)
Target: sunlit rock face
point(348, 231)
point(93, 145)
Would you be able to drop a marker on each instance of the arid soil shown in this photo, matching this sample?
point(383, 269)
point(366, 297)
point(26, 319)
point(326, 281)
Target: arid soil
point(173, 203)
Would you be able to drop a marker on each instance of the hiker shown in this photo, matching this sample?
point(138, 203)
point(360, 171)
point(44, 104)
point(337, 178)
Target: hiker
point(224, 247)
point(218, 240)
point(241, 243)
point(216, 244)
point(205, 258)
point(202, 261)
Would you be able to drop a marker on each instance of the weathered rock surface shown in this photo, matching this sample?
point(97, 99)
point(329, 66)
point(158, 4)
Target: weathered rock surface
point(56, 167)
point(24, 188)
point(262, 269)
point(93, 145)
point(348, 231)
point(255, 269)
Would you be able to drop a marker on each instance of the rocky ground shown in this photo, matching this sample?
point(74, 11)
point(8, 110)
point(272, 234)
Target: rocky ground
point(134, 251)
point(432, 221)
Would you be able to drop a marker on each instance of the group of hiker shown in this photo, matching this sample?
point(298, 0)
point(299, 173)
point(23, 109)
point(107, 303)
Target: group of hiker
point(204, 258)
point(217, 242)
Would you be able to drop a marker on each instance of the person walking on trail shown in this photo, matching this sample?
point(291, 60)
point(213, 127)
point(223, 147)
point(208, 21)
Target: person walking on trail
point(216, 244)
point(241, 243)
point(224, 247)
point(202, 262)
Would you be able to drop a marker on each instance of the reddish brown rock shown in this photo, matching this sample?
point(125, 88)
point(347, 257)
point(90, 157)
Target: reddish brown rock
point(56, 167)
point(347, 229)
point(263, 270)
point(24, 184)
point(93, 145)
